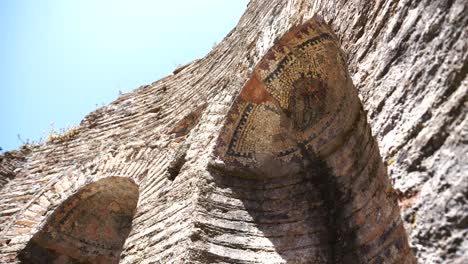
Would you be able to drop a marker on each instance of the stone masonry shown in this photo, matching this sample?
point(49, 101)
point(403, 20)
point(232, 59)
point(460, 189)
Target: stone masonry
point(151, 177)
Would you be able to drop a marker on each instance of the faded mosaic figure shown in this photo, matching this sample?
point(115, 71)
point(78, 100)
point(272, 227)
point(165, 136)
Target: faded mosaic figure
point(299, 115)
point(91, 226)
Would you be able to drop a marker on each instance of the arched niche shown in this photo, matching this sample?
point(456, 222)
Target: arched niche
point(89, 227)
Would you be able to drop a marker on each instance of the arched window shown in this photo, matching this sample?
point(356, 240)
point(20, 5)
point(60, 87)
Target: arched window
point(89, 227)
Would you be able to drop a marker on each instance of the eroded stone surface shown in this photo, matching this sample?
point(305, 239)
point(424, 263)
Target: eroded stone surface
point(89, 227)
point(408, 61)
point(298, 120)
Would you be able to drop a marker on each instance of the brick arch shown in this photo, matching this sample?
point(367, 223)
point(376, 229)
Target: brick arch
point(90, 226)
point(296, 148)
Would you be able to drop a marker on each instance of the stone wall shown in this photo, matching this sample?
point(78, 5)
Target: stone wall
point(408, 60)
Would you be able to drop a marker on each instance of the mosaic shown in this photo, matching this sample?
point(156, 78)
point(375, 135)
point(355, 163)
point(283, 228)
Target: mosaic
point(292, 102)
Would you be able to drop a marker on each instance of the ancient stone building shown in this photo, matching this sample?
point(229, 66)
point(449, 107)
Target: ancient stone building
point(262, 151)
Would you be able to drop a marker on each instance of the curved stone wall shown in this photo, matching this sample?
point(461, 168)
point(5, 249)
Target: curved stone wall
point(89, 227)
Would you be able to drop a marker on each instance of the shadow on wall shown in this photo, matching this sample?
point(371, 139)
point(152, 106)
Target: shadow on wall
point(297, 150)
point(288, 211)
point(308, 219)
point(91, 226)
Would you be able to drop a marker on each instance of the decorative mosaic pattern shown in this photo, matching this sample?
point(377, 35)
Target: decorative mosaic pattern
point(299, 117)
point(89, 227)
point(295, 99)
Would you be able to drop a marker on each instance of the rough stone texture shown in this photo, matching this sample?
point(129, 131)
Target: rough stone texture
point(297, 132)
point(89, 227)
point(408, 60)
point(9, 163)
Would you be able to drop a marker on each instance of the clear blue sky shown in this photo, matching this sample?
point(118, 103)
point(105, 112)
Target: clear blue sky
point(59, 59)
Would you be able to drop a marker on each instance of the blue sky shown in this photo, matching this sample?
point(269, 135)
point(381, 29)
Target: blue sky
point(61, 59)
